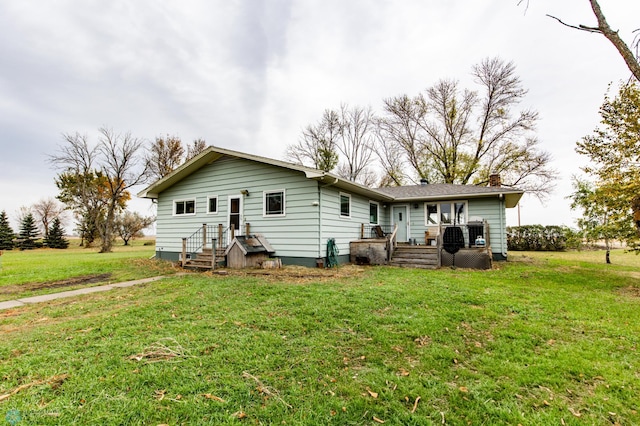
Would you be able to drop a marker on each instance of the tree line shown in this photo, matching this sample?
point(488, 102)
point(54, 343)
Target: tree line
point(94, 183)
point(28, 236)
point(95, 179)
point(447, 134)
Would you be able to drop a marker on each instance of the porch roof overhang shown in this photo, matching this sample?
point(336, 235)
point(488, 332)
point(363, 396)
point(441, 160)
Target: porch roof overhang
point(510, 199)
point(443, 192)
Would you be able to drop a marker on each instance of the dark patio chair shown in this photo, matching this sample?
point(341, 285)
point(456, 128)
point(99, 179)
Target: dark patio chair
point(378, 231)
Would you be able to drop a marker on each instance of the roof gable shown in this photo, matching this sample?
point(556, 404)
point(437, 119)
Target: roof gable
point(212, 154)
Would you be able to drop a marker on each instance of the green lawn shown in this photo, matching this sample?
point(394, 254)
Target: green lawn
point(543, 339)
point(33, 272)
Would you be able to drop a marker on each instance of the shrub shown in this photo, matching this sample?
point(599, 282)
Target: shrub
point(542, 238)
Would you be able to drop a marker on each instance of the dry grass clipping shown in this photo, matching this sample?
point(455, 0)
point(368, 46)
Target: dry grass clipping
point(54, 381)
point(167, 349)
point(265, 390)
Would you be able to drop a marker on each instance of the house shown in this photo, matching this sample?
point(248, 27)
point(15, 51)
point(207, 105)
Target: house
point(221, 193)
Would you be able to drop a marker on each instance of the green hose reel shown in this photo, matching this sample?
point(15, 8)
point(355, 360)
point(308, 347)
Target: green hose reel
point(332, 253)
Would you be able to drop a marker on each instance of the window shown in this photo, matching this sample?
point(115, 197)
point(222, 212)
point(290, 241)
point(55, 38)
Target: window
point(373, 212)
point(184, 207)
point(460, 213)
point(212, 204)
point(446, 213)
point(345, 205)
point(274, 203)
point(432, 214)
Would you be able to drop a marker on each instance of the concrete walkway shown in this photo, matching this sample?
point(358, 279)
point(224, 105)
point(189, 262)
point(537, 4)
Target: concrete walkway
point(53, 296)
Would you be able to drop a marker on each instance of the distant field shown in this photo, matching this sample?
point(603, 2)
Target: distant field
point(545, 339)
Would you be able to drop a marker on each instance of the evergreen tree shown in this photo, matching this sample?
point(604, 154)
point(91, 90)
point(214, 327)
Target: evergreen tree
point(56, 238)
point(6, 233)
point(28, 232)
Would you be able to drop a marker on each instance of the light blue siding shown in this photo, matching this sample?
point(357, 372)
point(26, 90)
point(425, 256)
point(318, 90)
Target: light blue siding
point(492, 210)
point(489, 209)
point(294, 234)
point(312, 210)
point(342, 229)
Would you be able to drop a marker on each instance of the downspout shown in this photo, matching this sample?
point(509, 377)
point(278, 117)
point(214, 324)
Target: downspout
point(503, 225)
point(319, 221)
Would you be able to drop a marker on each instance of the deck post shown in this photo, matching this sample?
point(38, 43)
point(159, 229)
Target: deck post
point(486, 234)
point(220, 231)
point(362, 231)
point(233, 231)
point(204, 236)
point(247, 228)
point(439, 244)
point(184, 251)
point(213, 253)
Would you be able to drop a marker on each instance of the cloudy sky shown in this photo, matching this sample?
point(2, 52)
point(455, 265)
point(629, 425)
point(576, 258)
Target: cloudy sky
point(250, 74)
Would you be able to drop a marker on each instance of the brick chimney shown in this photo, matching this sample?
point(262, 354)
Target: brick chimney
point(494, 180)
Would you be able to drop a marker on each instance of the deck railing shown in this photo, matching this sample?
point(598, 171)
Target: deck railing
point(207, 235)
point(370, 231)
point(471, 231)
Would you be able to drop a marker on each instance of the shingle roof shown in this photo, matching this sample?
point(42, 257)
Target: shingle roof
point(439, 191)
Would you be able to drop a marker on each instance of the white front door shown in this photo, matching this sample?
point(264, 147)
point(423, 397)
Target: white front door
point(400, 218)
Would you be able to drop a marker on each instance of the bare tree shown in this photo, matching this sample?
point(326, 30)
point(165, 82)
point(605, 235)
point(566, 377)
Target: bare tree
point(164, 155)
point(121, 165)
point(459, 136)
point(390, 158)
point(355, 142)
point(45, 211)
point(629, 57)
point(317, 148)
point(79, 184)
point(196, 147)
point(399, 132)
point(95, 182)
point(129, 225)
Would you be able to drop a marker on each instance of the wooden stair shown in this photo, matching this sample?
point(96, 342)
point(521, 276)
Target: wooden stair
point(204, 259)
point(422, 257)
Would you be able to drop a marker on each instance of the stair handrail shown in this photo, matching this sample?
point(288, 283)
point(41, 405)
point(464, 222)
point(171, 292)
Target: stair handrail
point(197, 241)
point(392, 243)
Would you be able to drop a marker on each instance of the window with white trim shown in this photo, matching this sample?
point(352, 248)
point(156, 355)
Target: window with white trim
point(274, 203)
point(432, 214)
point(374, 209)
point(447, 213)
point(345, 205)
point(212, 204)
point(184, 207)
